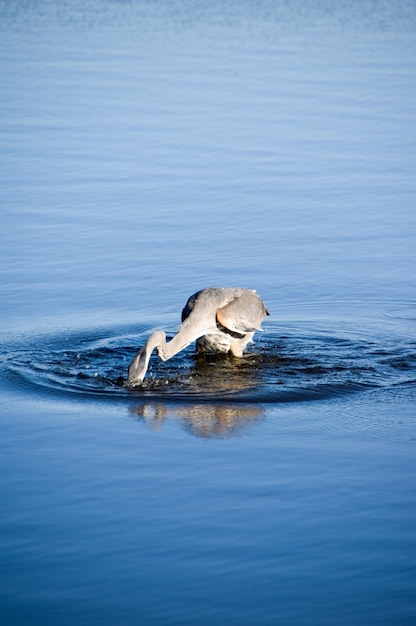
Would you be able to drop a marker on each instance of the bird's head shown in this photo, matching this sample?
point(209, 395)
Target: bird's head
point(138, 368)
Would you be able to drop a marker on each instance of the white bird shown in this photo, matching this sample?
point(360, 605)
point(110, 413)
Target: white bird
point(218, 319)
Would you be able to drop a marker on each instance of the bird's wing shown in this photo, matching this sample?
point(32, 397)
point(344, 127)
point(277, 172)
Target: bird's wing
point(189, 306)
point(243, 314)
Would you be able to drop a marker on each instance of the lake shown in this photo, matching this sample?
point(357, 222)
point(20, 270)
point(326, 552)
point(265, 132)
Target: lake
point(149, 150)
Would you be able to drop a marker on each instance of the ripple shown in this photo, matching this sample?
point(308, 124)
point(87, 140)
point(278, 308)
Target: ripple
point(402, 313)
point(391, 418)
point(296, 362)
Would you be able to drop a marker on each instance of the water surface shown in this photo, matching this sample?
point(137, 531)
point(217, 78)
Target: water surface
point(152, 149)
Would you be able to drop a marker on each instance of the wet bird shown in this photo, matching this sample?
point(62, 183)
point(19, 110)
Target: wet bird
point(219, 320)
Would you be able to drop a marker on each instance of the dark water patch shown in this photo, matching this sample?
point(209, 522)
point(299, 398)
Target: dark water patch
point(303, 364)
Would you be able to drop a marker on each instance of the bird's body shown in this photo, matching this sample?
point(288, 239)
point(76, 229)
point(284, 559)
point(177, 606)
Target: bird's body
point(218, 319)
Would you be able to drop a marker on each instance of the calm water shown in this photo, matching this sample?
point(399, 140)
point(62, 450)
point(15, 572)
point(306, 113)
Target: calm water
point(149, 149)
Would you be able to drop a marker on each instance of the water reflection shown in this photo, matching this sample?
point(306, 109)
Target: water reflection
point(205, 375)
point(210, 377)
point(202, 420)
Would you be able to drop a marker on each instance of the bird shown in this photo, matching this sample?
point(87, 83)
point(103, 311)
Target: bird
point(219, 320)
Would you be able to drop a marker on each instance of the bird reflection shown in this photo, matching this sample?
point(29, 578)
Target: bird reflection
point(201, 420)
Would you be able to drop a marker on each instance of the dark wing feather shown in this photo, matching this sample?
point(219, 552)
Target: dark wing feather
point(189, 306)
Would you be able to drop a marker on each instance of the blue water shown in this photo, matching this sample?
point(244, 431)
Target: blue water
point(148, 150)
